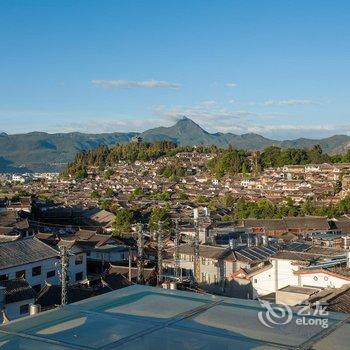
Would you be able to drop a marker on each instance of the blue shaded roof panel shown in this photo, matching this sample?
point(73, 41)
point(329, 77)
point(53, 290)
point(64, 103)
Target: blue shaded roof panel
point(140, 317)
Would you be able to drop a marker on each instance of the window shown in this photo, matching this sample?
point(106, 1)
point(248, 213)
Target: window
point(315, 278)
point(79, 259)
point(21, 274)
point(216, 281)
point(4, 277)
point(78, 276)
point(24, 309)
point(51, 274)
point(37, 288)
point(255, 280)
point(203, 278)
point(36, 271)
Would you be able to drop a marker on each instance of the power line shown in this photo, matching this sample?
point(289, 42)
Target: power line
point(44, 224)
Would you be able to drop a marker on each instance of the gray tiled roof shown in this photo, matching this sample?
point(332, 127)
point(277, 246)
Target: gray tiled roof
point(24, 251)
point(269, 224)
point(205, 251)
point(17, 290)
point(307, 223)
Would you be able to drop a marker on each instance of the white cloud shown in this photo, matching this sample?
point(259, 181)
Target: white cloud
point(215, 118)
point(148, 84)
point(231, 85)
point(209, 103)
point(291, 102)
point(107, 125)
point(293, 131)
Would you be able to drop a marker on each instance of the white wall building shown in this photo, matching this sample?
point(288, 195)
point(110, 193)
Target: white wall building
point(289, 269)
point(15, 299)
point(38, 263)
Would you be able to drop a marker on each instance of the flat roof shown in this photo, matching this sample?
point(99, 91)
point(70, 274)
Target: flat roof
point(141, 317)
point(299, 290)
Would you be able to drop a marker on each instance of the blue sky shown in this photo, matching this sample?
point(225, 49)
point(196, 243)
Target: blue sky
point(277, 68)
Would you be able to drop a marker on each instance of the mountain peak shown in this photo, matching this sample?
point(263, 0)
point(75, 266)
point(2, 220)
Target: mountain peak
point(185, 121)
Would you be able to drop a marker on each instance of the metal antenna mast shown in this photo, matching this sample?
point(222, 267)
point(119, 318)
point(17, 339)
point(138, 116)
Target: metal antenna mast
point(64, 274)
point(196, 269)
point(160, 252)
point(130, 277)
point(176, 249)
point(140, 254)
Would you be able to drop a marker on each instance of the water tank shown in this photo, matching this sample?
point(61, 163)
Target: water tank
point(34, 309)
point(173, 285)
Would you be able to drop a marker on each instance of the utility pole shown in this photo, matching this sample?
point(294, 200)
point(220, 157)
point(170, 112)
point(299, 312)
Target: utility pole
point(64, 274)
point(196, 267)
point(140, 254)
point(160, 252)
point(176, 250)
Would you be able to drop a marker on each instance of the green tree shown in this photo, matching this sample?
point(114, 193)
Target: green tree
point(124, 219)
point(95, 195)
point(160, 215)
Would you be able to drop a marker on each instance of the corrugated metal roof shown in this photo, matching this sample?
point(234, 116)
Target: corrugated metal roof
point(24, 251)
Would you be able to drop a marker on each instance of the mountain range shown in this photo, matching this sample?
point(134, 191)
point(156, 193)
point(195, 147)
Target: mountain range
point(40, 151)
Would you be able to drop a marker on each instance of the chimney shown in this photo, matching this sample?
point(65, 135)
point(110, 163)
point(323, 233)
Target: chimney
point(206, 211)
point(203, 233)
point(257, 240)
point(232, 243)
point(195, 214)
point(348, 260)
point(265, 240)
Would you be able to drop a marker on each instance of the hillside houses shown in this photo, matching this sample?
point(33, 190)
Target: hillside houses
point(298, 182)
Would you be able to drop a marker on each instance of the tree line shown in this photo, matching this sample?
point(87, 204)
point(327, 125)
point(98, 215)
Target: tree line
point(225, 162)
point(104, 156)
point(241, 208)
point(232, 161)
